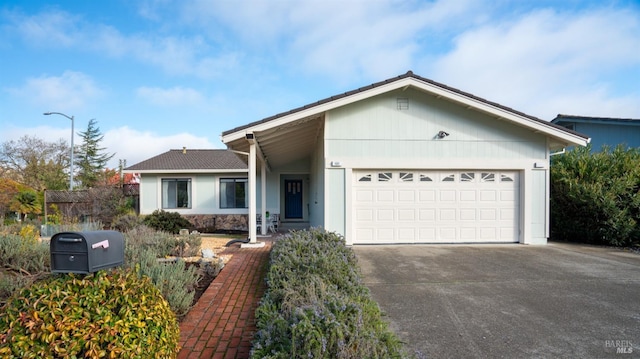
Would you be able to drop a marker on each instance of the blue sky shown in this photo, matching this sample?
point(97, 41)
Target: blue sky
point(163, 74)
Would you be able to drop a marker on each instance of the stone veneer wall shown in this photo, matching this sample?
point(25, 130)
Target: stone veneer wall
point(209, 223)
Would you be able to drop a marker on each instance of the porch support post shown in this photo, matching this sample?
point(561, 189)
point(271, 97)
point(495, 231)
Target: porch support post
point(252, 192)
point(263, 201)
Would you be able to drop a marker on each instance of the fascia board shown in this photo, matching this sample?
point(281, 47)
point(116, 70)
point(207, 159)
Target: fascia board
point(427, 87)
point(317, 109)
point(502, 114)
point(188, 171)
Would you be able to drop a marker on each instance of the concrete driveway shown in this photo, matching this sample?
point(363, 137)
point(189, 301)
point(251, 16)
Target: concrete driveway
point(508, 301)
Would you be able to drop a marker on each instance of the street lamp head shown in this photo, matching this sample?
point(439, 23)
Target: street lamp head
point(47, 113)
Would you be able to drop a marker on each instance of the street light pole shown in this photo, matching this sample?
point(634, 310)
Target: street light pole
point(71, 165)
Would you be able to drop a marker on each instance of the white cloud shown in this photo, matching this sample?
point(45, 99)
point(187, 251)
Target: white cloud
point(370, 39)
point(176, 55)
point(70, 91)
point(546, 62)
point(51, 29)
point(176, 96)
point(135, 146)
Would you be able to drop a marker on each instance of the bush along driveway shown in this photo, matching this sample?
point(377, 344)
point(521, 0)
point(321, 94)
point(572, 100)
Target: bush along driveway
point(316, 306)
point(482, 301)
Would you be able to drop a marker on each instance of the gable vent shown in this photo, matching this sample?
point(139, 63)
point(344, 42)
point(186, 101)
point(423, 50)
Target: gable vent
point(403, 103)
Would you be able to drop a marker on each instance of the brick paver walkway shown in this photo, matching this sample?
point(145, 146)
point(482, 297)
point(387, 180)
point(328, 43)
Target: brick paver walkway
point(222, 323)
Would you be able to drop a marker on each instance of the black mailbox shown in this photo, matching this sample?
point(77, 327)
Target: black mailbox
point(86, 252)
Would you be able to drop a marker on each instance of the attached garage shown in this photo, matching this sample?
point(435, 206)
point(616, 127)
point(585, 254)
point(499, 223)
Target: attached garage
point(407, 160)
point(413, 206)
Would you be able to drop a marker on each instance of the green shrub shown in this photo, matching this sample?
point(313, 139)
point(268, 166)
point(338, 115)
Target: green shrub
point(595, 197)
point(29, 256)
point(316, 306)
point(143, 238)
point(174, 280)
point(188, 245)
point(171, 222)
point(144, 247)
point(105, 314)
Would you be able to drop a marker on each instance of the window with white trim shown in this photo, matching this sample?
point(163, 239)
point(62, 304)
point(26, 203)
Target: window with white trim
point(467, 177)
point(406, 176)
point(449, 178)
point(385, 176)
point(488, 177)
point(365, 178)
point(176, 193)
point(233, 193)
point(506, 178)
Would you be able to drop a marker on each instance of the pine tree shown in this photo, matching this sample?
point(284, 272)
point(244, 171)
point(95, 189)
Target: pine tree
point(91, 159)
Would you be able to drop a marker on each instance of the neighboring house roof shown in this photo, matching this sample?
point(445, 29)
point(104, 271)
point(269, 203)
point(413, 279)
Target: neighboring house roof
point(602, 120)
point(191, 160)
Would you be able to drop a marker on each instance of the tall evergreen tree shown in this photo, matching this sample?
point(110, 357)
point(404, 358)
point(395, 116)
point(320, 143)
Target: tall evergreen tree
point(91, 159)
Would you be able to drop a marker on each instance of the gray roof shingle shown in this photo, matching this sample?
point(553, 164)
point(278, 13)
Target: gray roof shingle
point(191, 159)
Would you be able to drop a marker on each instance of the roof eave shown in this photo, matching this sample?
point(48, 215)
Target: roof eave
point(429, 87)
point(173, 171)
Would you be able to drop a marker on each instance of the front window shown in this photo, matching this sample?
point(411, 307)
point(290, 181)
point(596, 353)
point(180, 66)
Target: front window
point(176, 193)
point(233, 193)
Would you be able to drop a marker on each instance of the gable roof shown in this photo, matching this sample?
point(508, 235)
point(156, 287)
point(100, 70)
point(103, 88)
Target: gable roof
point(602, 120)
point(563, 136)
point(191, 161)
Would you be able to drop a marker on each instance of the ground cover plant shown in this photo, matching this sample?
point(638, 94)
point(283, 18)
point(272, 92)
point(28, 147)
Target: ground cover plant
point(316, 306)
point(595, 197)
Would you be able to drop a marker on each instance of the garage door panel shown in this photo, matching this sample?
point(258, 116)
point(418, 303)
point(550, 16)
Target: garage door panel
point(365, 235)
point(488, 195)
point(507, 196)
point(364, 196)
point(468, 234)
point(385, 235)
point(406, 215)
point(448, 233)
point(488, 233)
point(384, 196)
point(447, 195)
point(427, 196)
point(406, 196)
point(435, 206)
point(488, 214)
point(406, 235)
point(468, 196)
point(385, 215)
point(507, 214)
point(468, 214)
point(448, 214)
point(427, 234)
point(428, 214)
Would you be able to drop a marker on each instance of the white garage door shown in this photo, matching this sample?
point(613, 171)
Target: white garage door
point(392, 206)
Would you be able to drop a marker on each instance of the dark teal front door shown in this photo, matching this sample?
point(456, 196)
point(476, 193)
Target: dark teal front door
point(293, 199)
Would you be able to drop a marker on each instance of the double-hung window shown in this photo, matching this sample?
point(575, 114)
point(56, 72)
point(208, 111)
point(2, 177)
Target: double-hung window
point(176, 193)
point(233, 193)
